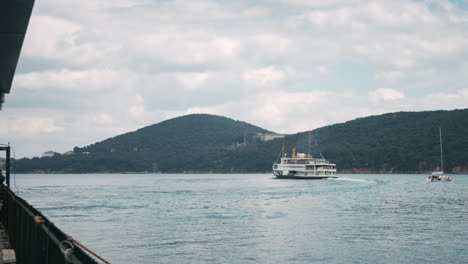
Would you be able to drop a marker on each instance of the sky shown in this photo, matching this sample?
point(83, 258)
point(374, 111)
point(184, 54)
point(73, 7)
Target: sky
point(94, 69)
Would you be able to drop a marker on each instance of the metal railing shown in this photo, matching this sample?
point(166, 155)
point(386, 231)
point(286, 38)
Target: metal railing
point(34, 238)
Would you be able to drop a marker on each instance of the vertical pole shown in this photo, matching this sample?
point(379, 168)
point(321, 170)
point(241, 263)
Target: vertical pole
point(7, 165)
point(441, 158)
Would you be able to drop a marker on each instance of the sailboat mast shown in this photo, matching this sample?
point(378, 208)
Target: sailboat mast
point(441, 157)
point(308, 154)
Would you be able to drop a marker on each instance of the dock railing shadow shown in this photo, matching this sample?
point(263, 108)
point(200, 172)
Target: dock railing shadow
point(35, 239)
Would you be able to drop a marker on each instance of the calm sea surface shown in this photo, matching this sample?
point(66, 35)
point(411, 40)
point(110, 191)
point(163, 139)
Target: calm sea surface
point(211, 218)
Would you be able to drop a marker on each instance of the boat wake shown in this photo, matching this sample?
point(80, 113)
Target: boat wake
point(351, 179)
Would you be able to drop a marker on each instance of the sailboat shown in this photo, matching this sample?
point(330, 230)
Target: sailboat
point(439, 175)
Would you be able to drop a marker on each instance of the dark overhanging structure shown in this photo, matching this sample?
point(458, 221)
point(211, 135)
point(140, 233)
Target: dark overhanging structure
point(14, 20)
point(33, 238)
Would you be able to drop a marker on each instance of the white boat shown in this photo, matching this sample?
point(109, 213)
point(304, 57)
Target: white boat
point(439, 175)
point(301, 166)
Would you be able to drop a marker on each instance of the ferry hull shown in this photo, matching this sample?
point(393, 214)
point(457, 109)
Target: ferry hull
point(305, 177)
point(299, 175)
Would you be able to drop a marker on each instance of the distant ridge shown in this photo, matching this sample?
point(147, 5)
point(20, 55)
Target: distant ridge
point(403, 142)
point(188, 143)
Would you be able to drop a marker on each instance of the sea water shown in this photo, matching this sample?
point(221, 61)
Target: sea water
point(254, 218)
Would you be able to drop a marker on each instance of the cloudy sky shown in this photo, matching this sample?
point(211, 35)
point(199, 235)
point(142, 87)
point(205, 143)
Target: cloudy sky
point(93, 69)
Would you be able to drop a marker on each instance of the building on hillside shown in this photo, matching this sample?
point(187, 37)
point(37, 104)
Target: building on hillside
point(68, 153)
point(49, 154)
point(269, 136)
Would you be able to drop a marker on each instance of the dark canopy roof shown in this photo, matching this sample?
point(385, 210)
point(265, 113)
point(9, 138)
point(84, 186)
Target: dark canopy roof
point(14, 19)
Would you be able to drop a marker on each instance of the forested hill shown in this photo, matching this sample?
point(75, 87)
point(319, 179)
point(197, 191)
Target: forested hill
point(187, 143)
point(391, 143)
point(396, 142)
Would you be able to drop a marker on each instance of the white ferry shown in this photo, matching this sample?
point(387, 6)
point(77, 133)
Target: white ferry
point(301, 166)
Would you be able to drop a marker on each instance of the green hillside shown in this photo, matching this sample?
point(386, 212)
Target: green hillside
point(395, 142)
point(187, 143)
point(390, 143)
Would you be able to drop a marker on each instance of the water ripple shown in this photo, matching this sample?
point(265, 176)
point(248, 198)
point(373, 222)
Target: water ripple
point(254, 218)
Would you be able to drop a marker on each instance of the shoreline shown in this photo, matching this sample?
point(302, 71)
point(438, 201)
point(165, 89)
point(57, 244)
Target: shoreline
point(233, 173)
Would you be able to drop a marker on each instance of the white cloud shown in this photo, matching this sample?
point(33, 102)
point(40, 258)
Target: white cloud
point(268, 76)
point(463, 92)
point(385, 94)
point(389, 76)
point(448, 101)
point(79, 81)
point(192, 81)
point(29, 126)
point(180, 45)
point(272, 44)
point(58, 39)
point(137, 108)
point(102, 119)
point(291, 112)
point(321, 3)
point(116, 66)
point(322, 70)
point(288, 112)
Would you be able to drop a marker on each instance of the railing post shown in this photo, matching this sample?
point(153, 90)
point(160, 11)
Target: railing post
point(7, 165)
point(35, 242)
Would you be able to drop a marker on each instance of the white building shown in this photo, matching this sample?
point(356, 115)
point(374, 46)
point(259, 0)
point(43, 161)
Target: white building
point(49, 153)
point(269, 136)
